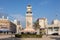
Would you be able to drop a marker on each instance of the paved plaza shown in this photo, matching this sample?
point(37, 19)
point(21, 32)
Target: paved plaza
point(11, 37)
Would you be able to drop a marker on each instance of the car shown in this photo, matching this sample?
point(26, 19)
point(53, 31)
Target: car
point(55, 34)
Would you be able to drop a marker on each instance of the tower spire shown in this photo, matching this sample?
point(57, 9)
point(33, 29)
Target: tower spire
point(29, 8)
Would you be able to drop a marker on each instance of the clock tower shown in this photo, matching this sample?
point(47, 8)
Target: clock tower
point(29, 27)
point(29, 17)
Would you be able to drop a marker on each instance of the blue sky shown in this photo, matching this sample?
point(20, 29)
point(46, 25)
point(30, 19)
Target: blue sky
point(40, 9)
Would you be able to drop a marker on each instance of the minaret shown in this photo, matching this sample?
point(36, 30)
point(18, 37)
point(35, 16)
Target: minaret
point(29, 17)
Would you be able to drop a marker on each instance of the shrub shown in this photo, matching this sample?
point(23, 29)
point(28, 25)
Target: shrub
point(17, 35)
point(28, 36)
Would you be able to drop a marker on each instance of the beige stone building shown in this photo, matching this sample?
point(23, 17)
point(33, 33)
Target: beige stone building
point(42, 22)
point(18, 26)
point(6, 25)
point(54, 27)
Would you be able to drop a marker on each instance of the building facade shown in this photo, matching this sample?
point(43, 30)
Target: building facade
point(42, 22)
point(54, 27)
point(18, 26)
point(7, 26)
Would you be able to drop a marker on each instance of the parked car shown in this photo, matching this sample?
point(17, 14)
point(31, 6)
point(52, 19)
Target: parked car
point(55, 34)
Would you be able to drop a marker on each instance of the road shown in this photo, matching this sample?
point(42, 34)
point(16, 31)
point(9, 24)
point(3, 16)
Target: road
point(11, 37)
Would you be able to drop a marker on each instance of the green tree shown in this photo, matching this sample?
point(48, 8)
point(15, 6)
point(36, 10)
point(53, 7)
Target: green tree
point(36, 25)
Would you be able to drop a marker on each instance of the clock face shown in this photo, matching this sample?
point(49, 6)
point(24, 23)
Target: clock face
point(29, 9)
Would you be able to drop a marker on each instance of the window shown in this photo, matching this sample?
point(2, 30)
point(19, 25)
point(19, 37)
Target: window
point(50, 28)
point(56, 28)
point(4, 27)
